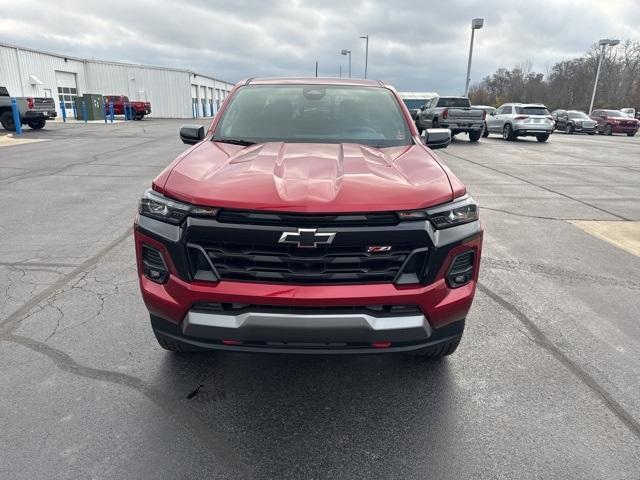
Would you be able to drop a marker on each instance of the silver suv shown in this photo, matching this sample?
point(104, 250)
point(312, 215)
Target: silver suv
point(514, 120)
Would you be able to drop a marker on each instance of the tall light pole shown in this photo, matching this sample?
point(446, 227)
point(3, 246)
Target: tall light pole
point(348, 52)
point(366, 54)
point(603, 44)
point(476, 24)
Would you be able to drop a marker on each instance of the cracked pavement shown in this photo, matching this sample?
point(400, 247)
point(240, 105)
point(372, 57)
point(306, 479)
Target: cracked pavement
point(545, 385)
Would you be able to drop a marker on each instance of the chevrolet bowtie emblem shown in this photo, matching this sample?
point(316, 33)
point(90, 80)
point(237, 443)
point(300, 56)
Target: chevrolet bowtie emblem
point(307, 238)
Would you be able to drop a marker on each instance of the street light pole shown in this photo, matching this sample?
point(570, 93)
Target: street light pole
point(476, 24)
point(348, 52)
point(366, 54)
point(603, 44)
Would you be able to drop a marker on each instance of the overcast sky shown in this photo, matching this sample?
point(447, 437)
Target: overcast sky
point(415, 45)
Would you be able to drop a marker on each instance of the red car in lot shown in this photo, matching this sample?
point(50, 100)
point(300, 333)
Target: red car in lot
point(614, 121)
point(138, 109)
point(311, 217)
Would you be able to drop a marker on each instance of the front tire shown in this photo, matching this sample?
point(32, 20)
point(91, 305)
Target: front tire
point(542, 138)
point(475, 135)
point(37, 124)
point(608, 130)
point(569, 129)
point(630, 134)
point(6, 119)
point(507, 133)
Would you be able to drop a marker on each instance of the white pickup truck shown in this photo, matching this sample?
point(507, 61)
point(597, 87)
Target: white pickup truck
point(34, 111)
point(454, 113)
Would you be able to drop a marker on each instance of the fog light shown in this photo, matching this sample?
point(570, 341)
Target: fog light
point(461, 270)
point(153, 265)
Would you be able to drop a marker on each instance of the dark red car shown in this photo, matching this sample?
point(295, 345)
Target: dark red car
point(138, 109)
point(310, 218)
point(614, 121)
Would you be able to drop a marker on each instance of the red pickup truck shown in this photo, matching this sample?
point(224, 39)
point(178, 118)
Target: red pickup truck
point(310, 218)
point(138, 109)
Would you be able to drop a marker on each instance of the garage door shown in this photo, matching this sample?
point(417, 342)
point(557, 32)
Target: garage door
point(67, 90)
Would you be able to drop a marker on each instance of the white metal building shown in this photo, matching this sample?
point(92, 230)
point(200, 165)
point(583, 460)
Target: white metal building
point(173, 93)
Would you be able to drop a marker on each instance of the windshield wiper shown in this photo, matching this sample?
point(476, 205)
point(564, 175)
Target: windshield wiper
point(235, 141)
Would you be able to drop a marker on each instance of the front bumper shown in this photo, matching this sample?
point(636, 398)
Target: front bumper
point(624, 129)
point(307, 318)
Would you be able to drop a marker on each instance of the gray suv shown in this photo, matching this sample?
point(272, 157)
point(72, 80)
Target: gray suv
point(514, 120)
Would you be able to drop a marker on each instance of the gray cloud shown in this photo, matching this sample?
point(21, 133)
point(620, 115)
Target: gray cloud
point(415, 45)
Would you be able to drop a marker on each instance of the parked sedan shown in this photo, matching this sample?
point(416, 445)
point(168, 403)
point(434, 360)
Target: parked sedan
point(488, 111)
point(614, 121)
point(571, 121)
point(514, 120)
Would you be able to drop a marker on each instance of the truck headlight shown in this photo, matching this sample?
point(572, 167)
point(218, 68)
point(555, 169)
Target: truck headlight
point(458, 212)
point(155, 205)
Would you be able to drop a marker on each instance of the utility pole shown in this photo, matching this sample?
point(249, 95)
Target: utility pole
point(603, 44)
point(366, 54)
point(476, 24)
point(347, 52)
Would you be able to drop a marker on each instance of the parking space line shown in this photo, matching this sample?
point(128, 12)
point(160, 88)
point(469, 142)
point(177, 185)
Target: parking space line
point(624, 235)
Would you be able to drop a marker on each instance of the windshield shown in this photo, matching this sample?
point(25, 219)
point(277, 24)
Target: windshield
point(532, 110)
point(613, 113)
point(578, 115)
point(415, 104)
point(454, 102)
point(313, 114)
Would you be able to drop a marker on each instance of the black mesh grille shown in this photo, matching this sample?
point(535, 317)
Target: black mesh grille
point(462, 262)
point(152, 257)
point(289, 264)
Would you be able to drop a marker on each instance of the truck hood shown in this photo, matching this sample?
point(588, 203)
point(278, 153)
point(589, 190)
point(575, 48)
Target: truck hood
point(308, 177)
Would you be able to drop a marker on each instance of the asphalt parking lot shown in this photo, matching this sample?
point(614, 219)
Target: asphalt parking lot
point(546, 383)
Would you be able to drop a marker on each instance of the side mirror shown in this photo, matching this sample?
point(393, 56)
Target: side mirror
point(435, 138)
point(191, 134)
point(423, 107)
point(493, 114)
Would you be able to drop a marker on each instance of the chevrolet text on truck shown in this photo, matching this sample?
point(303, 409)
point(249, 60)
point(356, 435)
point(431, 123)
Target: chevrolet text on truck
point(311, 217)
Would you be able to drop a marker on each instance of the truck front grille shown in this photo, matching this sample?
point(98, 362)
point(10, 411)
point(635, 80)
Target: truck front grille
point(328, 264)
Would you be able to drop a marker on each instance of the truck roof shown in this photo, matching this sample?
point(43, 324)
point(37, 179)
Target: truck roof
point(417, 95)
point(312, 81)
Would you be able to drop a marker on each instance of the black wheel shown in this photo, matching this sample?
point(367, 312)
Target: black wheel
point(485, 131)
point(438, 351)
point(592, 133)
point(507, 133)
point(631, 134)
point(542, 138)
point(172, 345)
point(608, 130)
point(6, 119)
point(37, 123)
point(569, 129)
point(475, 135)
point(139, 116)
